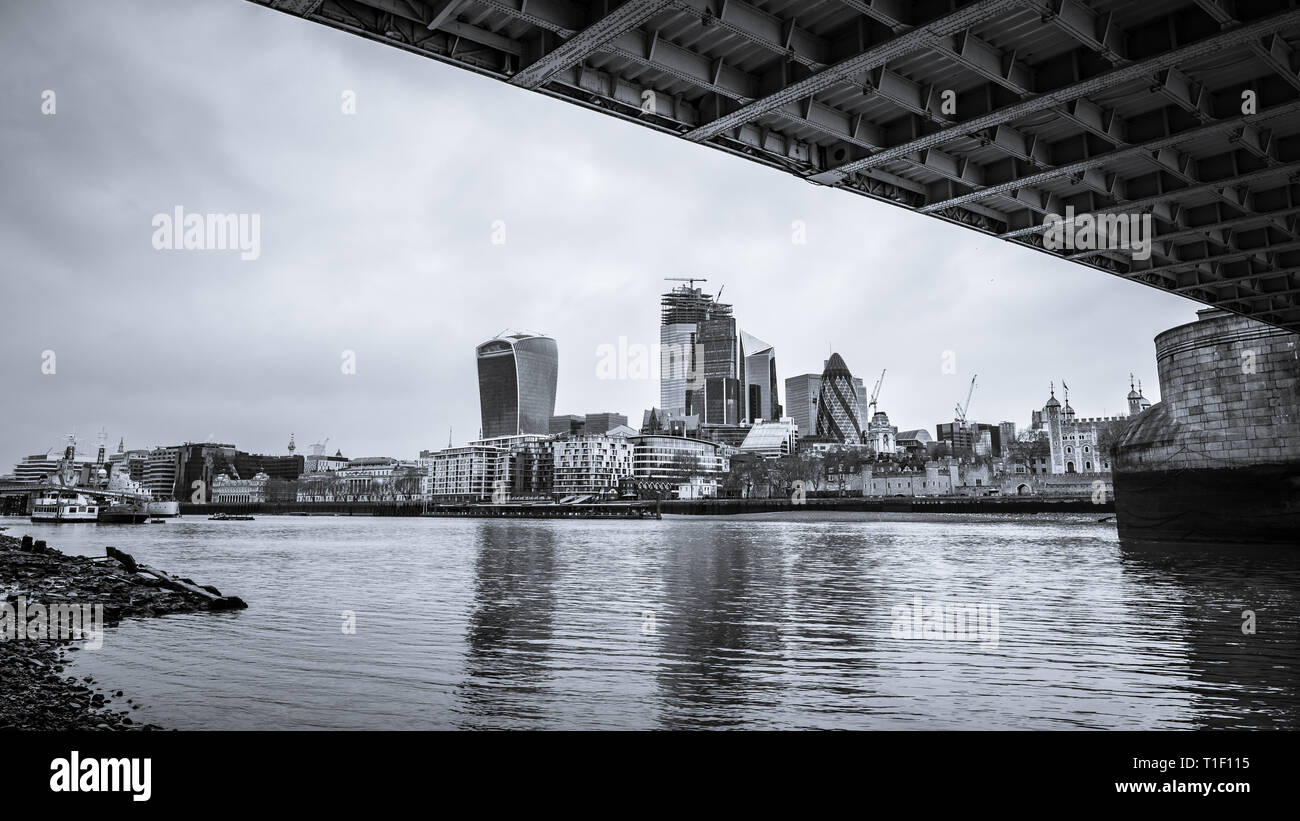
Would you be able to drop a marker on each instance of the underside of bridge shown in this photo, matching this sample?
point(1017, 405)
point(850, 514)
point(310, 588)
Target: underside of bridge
point(989, 113)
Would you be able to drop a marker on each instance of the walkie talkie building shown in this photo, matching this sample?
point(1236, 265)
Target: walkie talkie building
point(516, 383)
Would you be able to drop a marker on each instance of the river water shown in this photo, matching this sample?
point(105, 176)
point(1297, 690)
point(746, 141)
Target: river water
point(693, 622)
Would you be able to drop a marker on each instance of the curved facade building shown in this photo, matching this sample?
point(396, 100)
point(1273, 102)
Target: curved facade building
point(838, 414)
point(693, 468)
point(517, 373)
point(1217, 459)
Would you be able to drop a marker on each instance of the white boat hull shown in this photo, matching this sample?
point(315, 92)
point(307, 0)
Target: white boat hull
point(162, 510)
point(49, 510)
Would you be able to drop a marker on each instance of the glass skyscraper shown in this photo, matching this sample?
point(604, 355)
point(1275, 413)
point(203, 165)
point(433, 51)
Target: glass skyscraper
point(838, 415)
point(760, 379)
point(516, 384)
point(706, 361)
point(801, 394)
point(681, 368)
point(723, 399)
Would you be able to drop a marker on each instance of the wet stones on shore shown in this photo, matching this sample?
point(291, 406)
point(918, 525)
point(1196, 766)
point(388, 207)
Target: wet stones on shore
point(34, 695)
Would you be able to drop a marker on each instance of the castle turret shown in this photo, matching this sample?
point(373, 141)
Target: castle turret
point(1052, 418)
point(1134, 398)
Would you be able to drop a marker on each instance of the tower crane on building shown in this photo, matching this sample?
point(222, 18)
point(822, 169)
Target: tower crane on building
point(875, 392)
point(689, 280)
point(962, 410)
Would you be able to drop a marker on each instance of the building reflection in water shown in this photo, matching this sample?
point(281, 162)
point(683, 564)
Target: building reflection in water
point(722, 601)
point(510, 634)
point(787, 624)
point(745, 620)
point(1239, 680)
point(835, 609)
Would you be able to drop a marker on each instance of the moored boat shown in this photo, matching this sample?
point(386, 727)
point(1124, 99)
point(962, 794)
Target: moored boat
point(58, 505)
point(127, 513)
point(163, 508)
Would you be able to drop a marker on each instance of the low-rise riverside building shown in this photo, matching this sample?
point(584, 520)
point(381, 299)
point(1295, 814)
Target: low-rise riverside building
point(913, 443)
point(160, 469)
point(591, 464)
point(368, 479)
point(229, 490)
point(321, 463)
point(689, 468)
point(935, 479)
point(771, 440)
point(1098, 486)
point(532, 467)
point(528, 469)
point(40, 466)
point(469, 473)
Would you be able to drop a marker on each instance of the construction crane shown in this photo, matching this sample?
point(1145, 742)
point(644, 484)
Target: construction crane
point(871, 406)
point(691, 280)
point(962, 410)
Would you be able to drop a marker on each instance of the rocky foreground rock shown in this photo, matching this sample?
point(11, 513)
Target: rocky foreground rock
point(34, 693)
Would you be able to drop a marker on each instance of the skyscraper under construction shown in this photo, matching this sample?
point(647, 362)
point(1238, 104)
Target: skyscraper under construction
point(701, 358)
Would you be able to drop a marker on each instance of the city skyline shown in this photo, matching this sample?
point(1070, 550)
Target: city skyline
point(384, 366)
point(834, 362)
point(205, 342)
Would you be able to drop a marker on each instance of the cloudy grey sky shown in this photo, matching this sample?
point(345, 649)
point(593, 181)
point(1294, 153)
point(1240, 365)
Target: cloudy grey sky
point(376, 236)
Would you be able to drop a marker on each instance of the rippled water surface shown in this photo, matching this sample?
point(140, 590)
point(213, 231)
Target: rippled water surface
point(754, 621)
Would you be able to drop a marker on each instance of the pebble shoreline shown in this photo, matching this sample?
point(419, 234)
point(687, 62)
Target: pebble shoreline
point(34, 695)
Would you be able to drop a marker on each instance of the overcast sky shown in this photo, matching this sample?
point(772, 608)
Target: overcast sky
point(376, 238)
